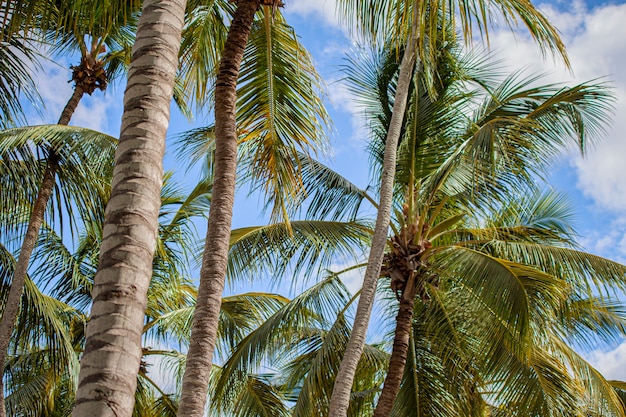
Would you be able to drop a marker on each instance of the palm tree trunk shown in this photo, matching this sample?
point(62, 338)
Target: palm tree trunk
point(11, 309)
point(111, 359)
point(71, 106)
point(340, 398)
point(397, 362)
point(215, 258)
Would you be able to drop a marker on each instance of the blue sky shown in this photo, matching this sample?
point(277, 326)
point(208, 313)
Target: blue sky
point(594, 32)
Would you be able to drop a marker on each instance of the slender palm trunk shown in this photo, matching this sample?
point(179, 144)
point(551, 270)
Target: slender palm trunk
point(399, 352)
point(111, 359)
point(340, 398)
point(215, 258)
point(71, 106)
point(11, 308)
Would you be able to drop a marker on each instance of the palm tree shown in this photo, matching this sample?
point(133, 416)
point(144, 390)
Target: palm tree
point(66, 278)
point(417, 24)
point(303, 342)
point(462, 345)
point(435, 174)
point(112, 355)
point(69, 26)
point(78, 180)
point(467, 349)
point(274, 113)
point(204, 328)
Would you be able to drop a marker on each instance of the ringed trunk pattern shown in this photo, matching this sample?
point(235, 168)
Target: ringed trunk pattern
point(215, 257)
point(11, 308)
point(111, 359)
point(340, 399)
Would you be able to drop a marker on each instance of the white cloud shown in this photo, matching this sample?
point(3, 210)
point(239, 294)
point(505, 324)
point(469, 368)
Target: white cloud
point(92, 112)
point(608, 241)
point(601, 172)
point(595, 45)
point(594, 40)
point(52, 83)
point(322, 9)
point(611, 364)
point(352, 279)
point(344, 101)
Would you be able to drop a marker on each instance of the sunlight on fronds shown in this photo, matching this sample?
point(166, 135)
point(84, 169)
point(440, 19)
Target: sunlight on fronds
point(202, 42)
point(279, 111)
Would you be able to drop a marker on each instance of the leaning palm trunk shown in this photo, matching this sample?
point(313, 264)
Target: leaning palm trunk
point(110, 362)
point(340, 399)
point(214, 260)
point(11, 308)
point(399, 352)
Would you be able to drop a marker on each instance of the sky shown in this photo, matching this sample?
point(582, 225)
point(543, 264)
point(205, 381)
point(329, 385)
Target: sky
point(594, 33)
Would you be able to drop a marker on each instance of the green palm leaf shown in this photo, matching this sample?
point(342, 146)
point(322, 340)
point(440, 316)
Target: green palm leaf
point(288, 327)
point(17, 58)
point(83, 154)
point(306, 247)
point(202, 42)
point(279, 111)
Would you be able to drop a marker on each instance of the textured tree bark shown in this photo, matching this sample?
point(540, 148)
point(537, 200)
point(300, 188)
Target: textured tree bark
point(340, 399)
point(11, 309)
point(215, 258)
point(397, 362)
point(110, 362)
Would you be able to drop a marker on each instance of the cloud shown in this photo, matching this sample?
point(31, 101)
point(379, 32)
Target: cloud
point(594, 41)
point(599, 51)
point(52, 84)
point(611, 363)
point(608, 241)
point(97, 112)
point(352, 279)
point(345, 102)
point(321, 9)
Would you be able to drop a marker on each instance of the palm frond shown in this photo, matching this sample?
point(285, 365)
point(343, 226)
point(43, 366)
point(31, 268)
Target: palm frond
point(279, 110)
point(381, 20)
point(202, 42)
point(254, 395)
point(286, 328)
point(590, 322)
point(330, 194)
point(508, 290)
point(17, 61)
point(309, 247)
point(85, 163)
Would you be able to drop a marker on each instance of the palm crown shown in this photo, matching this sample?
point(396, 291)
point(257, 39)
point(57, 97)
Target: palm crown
point(493, 287)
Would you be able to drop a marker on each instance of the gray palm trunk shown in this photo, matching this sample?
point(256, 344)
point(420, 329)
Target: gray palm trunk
point(340, 399)
point(215, 257)
point(112, 354)
point(11, 308)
